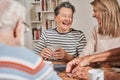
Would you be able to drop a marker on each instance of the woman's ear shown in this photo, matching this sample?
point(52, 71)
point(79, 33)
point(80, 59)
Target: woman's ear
point(17, 29)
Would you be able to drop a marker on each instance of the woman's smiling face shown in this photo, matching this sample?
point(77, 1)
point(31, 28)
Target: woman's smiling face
point(96, 15)
point(64, 19)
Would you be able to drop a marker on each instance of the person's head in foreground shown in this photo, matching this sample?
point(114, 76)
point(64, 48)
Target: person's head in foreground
point(17, 62)
point(12, 26)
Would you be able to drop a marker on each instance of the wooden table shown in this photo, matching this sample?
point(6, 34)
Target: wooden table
point(63, 74)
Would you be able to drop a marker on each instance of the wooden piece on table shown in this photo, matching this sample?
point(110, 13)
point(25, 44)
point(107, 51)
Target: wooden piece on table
point(64, 76)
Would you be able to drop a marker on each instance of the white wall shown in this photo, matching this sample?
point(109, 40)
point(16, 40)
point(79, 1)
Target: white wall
point(83, 19)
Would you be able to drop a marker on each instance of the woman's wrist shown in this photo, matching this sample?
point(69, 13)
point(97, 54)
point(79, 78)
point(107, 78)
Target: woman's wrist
point(90, 58)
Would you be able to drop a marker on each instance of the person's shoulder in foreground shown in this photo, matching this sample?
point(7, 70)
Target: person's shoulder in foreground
point(16, 62)
point(21, 64)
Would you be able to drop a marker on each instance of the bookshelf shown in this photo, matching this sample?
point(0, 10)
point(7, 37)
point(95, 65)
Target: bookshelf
point(42, 16)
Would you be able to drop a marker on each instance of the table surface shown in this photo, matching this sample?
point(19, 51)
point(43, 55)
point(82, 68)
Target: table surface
point(63, 74)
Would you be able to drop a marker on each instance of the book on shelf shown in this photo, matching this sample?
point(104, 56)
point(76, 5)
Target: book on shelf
point(50, 24)
point(36, 33)
point(42, 5)
point(39, 16)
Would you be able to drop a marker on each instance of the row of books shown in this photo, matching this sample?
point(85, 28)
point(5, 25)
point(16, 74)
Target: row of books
point(36, 32)
point(37, 16)
point(50, 24)
point(48, 5)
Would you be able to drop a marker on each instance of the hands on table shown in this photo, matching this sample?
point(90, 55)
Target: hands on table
point(78, 67)
point(46, 53)
point(77, 62)
point(58, 54)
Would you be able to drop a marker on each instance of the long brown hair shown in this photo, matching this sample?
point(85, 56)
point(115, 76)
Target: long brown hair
point(110, 17)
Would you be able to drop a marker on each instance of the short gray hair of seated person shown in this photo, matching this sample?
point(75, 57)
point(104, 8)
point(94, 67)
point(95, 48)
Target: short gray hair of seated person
point(10, 12)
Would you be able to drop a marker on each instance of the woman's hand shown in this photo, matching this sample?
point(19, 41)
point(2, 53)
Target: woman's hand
point(81, 72)
point(72, 64)
point(46, 53)
point(62, 55)
point(59, 53)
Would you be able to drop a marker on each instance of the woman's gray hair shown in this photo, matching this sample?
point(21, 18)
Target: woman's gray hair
point(65, 5)
point(10, 12)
